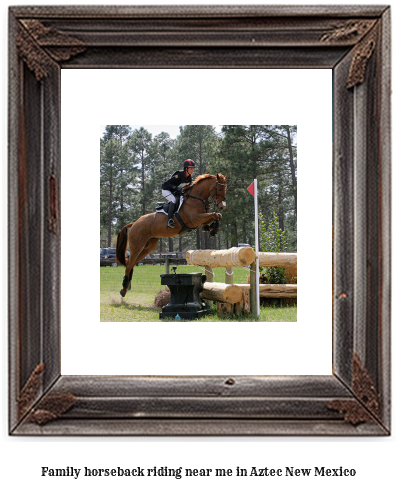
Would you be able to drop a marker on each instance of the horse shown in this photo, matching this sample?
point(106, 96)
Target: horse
point(143, 235)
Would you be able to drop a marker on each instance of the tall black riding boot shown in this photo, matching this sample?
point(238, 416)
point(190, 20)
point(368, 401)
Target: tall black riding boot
point(171, 209)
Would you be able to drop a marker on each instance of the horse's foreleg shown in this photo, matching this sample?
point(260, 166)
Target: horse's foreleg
point(207, 218)
point(213, 228)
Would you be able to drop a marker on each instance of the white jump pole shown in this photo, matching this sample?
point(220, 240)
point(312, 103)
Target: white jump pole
point(257, 247)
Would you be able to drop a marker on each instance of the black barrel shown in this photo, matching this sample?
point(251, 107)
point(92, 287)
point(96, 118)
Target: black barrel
point(185, 301)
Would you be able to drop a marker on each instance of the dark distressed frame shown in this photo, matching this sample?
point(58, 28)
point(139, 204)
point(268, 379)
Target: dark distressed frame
point(353, 41)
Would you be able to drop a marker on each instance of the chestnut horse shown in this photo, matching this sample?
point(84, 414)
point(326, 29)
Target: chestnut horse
point(143, 235)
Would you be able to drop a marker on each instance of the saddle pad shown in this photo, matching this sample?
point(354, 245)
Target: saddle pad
point(166, 213)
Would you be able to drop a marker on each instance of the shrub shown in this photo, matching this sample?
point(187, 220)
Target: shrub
point(273, 240)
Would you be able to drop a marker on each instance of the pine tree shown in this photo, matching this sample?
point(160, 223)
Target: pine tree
point(144, 155)
point(133, 166)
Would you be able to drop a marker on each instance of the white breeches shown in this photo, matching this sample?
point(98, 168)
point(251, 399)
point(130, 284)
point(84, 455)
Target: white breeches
point(169, 196)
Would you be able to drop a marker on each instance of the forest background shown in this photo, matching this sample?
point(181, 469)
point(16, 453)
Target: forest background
point(135, 163)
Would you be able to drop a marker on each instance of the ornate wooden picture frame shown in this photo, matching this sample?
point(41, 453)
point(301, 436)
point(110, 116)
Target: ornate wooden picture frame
point(352, 41)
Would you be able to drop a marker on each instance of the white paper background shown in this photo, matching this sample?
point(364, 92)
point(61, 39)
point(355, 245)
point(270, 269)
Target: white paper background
point(91, 98)
point(375, 459)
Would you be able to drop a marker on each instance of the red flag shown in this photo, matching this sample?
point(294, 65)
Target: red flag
point(251, 189)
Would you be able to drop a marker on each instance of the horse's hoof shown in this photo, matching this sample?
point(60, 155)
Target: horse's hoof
point(122, 293)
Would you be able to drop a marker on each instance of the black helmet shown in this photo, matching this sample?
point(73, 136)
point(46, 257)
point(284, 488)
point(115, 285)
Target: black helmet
point(189, 163)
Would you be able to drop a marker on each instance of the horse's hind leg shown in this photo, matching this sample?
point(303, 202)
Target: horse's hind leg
point(150, 246)
point(128, 277)
point(135, 250)
point(134, 258)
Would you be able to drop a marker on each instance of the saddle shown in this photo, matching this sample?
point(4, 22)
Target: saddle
point(164, 206)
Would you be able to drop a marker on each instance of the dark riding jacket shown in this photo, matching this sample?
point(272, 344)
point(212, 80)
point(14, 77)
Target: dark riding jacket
point(177, 181)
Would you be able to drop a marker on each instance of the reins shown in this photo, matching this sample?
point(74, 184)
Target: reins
point(205, 202)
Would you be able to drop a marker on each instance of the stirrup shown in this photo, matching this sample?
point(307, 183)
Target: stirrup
point(171, 224)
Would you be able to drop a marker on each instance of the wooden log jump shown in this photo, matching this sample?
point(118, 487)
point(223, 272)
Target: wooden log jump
point(273, 290)
point(241, 297)
point(238, 257)
point(221, 258)
point(277, 259)
point(218, 291)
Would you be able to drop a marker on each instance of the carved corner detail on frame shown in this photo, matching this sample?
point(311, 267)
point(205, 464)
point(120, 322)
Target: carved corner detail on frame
point(352, 412)
point(363, 52)
point(30, 391)
point(49, 408)
point(363, 386)
point(361, 411)
point(38, 46)
point(52, 407)
point(351, 31)
point(35, 58)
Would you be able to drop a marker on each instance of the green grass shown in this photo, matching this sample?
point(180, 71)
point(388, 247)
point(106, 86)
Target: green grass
point(146, 283)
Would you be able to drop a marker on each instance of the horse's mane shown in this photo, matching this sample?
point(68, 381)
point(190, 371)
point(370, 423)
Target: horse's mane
point(203, 176)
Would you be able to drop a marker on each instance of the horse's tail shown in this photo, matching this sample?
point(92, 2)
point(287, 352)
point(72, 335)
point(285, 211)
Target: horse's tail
point(121, 244)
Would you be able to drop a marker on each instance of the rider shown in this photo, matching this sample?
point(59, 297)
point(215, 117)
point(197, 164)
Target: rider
point(173, 187)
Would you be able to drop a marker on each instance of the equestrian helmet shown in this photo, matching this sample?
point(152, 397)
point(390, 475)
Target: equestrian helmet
point(189, 163)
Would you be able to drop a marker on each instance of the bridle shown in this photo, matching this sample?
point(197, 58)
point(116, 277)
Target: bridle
point(216, 194)
point(214, 197)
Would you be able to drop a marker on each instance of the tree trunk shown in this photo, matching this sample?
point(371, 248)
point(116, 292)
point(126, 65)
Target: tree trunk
point(235, 234)
point(280, 210)
point(110, 205)
point(207, 241)
point(293, 177)
point(198, 238)
point(143, 180)
point(200, 154)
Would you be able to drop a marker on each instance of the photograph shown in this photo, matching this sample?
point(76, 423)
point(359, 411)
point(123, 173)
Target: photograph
point(163, 215)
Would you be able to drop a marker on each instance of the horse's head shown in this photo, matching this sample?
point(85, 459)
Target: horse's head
point(218, 192)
